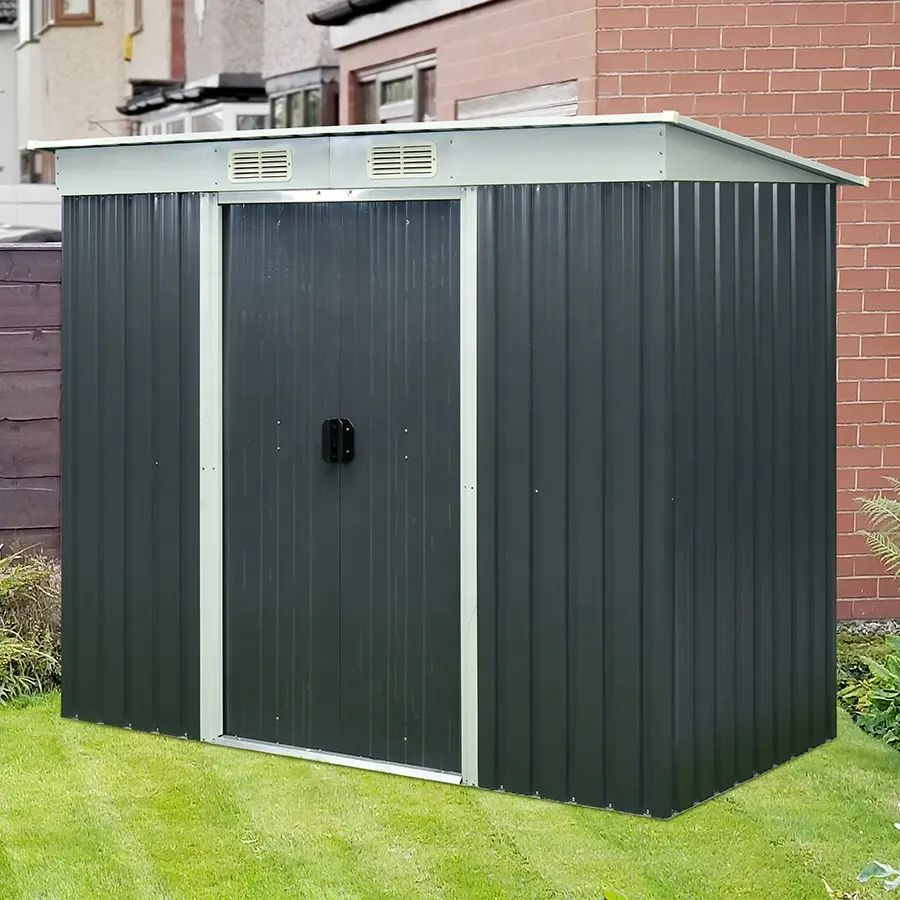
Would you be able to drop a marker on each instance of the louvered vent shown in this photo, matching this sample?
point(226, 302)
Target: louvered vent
point(259, 165)
point(402, 161)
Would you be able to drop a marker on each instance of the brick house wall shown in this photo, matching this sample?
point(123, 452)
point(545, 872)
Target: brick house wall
point(819, 77)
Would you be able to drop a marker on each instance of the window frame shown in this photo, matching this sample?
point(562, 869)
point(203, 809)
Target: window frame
point(59, 17)
point(159, 124)
point(412, 110)
point(328, 112)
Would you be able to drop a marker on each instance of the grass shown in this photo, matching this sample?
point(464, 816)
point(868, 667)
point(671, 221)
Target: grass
point(94, 812)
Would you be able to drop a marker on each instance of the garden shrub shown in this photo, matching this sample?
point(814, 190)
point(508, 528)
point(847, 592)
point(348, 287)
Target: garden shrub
point(29, 624)
point(852, 651)
point(874, 701)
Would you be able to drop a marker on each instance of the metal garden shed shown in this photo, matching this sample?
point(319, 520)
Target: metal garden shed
point(500, 453)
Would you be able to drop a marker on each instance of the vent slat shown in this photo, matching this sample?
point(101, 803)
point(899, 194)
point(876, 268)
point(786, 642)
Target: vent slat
point(402, 161)
point(260, 165)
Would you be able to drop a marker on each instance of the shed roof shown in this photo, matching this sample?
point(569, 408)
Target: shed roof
point(587, 147)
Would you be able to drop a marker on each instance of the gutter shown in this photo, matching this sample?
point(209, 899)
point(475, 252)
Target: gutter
point(345, 11)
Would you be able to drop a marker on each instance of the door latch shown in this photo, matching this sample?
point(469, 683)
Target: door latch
point(338, 440)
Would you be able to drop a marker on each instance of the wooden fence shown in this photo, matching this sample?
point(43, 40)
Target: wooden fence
point(30, 278)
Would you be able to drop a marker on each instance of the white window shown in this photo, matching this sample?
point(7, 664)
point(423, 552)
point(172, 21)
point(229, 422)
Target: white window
point(25, 23)
point(218, 117)
point(559, 99)
point(402, 94)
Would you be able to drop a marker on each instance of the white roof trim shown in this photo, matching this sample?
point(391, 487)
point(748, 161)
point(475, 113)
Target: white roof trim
point(281, 134)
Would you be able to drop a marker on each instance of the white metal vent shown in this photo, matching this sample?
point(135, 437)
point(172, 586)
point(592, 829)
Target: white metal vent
point(402, 161)
point(260, 165)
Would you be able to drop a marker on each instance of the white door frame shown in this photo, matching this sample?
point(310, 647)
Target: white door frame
point(212, 657)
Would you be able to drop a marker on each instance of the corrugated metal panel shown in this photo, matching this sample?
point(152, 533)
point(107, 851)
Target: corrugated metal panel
point(656, 484)
point(342, 581)
point(130, 461)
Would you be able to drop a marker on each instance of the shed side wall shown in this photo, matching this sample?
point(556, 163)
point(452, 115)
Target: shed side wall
point(641, 559)
point(131, 461)
point(754, 457)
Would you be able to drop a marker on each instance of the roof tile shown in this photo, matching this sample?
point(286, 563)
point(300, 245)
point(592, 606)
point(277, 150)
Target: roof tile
point(7, 12)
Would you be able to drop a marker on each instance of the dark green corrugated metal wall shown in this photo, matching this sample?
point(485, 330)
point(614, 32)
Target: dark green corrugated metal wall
point(130, 461)
point(656, 495)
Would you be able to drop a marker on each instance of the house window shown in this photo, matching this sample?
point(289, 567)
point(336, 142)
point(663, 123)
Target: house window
point(207, 121)
point(402, 94)
point(306, 108)
point(67, 10)
point(215, 117)
point(37, 167)
point(249, 123)
point(44, 13)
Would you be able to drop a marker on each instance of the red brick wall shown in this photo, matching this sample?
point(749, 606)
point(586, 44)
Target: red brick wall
point(818, 77)
point(176, 36)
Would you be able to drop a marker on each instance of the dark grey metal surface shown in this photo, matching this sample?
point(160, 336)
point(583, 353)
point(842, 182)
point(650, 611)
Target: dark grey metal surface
point(656, 487)
point(342, 581)
point(130, 461)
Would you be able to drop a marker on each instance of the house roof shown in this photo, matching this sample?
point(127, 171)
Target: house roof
point(341, 12)
point(7, 12)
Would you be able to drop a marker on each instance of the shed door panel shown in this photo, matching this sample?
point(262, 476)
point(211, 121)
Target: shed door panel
point(282, 503)
point(400, 669)
point(342, 581)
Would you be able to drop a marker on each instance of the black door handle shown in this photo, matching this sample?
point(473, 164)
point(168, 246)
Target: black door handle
point(338, 440)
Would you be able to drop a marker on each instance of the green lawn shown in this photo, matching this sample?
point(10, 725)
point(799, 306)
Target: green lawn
point(95, 812)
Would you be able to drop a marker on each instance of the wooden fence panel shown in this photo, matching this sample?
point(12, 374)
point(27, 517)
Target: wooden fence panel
point(30, 279)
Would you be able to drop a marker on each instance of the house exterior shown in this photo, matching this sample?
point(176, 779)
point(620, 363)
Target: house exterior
point(70, 74)
point(299, 66)
point(818, 77)
point(197, 68)
point(9, 156)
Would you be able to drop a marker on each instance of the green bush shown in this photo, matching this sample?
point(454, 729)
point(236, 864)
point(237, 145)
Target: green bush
point(29, 624)
point(874, 701)
point(852, 652)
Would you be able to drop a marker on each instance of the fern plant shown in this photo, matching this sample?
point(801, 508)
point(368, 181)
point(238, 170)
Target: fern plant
point(883, 513)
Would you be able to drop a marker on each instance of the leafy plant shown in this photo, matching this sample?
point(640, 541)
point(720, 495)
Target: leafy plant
point(852, 650)
point(29, 624)
point(880, 870)
point(883, 513)
point(24, 668)
point(875, 701)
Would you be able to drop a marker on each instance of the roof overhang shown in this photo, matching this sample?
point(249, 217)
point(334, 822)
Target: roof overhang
point(343, 12)
point(647, 147)
point(150, 97)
